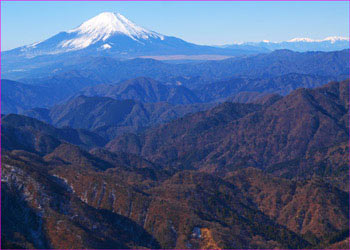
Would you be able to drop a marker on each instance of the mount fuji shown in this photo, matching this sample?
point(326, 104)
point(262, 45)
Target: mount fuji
point(106, 35)
point(113, 34)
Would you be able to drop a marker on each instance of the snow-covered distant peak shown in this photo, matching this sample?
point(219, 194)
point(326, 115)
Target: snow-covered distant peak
point(102, 27)
point(303, 39)
point(331, 39)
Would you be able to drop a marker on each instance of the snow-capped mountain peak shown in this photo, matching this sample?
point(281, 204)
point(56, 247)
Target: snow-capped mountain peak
point(334, 39)
point(102, 27)
point(301, 39)
point(331, 39)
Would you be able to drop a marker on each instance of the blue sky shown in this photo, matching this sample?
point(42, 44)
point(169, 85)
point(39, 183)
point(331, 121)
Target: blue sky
point(210, 23)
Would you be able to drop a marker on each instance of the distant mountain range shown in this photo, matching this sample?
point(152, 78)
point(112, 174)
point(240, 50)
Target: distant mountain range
point(153, 81)
point(109, 117)
point(144, 89)
point(297, 44)
point(107, 69)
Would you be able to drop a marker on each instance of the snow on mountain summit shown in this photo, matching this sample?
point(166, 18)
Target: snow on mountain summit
point(102, 27)
point(110, 34)
point(331, 39)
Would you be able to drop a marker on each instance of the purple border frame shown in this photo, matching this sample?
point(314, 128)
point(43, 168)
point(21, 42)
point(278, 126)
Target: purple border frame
point(172, 1)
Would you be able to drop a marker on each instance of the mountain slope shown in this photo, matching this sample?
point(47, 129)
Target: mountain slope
point(41, 211)
point(302, 121)
point(25, 133)
point(294, 204)
point(184, 210)
point(17, 97)
point(185, 203)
